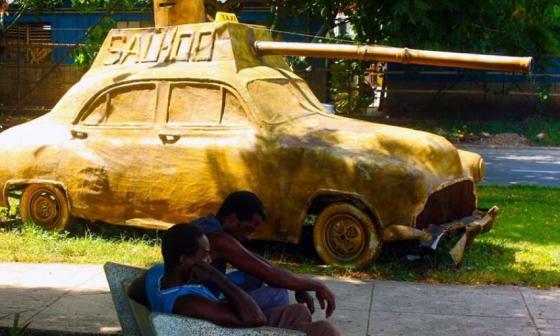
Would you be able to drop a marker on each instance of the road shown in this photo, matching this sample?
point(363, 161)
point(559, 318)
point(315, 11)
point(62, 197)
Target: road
point(535, 166)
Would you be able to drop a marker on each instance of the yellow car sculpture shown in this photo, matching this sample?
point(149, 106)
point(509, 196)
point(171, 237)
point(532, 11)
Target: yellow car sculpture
point(170, 120)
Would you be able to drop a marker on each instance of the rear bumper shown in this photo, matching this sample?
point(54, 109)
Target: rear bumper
point(479, 222)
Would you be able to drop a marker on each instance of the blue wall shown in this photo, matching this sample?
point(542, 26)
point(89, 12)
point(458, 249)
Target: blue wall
point(70, 27)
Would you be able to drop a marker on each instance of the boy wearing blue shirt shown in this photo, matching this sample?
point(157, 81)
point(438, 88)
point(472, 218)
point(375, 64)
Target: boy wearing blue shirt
point(180, 286)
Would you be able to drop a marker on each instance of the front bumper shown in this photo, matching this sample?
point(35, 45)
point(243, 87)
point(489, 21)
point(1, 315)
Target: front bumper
point(479, 222)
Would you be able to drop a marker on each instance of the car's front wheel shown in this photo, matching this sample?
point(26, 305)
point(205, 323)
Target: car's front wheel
point(345, 235)
point(45, 205)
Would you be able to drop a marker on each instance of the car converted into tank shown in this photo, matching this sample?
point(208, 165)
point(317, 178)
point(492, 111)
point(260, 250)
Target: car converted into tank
point(169, 120)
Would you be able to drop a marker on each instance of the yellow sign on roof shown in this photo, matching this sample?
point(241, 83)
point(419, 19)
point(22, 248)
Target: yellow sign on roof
point(226, 17)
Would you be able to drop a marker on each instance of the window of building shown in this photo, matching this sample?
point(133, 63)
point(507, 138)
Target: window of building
point(28, 43)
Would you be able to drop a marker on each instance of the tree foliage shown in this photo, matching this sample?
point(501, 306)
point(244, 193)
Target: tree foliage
point(489, 26)
point(512, 26)
point(84, 5)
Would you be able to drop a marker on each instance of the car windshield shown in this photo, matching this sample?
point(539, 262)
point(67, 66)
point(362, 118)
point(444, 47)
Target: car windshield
point(280, 100)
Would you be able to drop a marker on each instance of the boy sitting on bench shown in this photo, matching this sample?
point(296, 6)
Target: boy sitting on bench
point(180, 286)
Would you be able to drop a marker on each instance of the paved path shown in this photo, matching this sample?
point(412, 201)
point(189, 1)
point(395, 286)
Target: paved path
point(75, 299)
point(536, 166)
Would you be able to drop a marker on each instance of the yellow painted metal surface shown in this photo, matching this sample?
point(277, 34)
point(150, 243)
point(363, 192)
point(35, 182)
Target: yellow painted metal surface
point(170, 120)
point(226, 17)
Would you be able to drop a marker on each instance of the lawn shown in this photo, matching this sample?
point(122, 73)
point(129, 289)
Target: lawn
point(522, 248)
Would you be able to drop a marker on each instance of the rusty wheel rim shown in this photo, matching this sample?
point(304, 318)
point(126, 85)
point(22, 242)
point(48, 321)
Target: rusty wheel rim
point(345, 237)
point(44, 208)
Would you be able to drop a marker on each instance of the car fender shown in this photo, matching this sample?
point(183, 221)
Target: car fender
point(340, 195)
point(19, 183)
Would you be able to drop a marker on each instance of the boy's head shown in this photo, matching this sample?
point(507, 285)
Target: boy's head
point(241, 214)
point(183, 245)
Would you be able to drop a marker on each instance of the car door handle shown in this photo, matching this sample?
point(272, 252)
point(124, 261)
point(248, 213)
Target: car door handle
point(169, 138)
point(78, 134)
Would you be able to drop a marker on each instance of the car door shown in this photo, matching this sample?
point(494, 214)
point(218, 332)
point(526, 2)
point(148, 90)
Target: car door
point(207, 138)
point(115, 142)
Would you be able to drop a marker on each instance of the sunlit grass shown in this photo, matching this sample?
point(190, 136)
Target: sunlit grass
point(522, 248)
point(30, 243)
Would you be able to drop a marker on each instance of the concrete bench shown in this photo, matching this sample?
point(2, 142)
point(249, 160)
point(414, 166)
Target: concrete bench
point(137, 320)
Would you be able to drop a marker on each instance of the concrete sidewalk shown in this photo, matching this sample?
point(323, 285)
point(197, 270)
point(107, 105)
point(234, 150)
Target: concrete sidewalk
point(75, 299)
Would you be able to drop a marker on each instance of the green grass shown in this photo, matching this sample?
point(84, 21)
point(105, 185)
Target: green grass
point(83, 243)
point(523, 247)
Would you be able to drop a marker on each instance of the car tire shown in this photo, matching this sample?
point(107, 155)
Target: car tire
point(345, 235)
point(46, 206)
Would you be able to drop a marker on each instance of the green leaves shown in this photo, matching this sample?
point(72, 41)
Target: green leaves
point(16, 329)
point(85, 54)
point(91, 5)
point(39, 5)
point(492, 26)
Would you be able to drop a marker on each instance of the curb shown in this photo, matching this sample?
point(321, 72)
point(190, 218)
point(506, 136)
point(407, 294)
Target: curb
point(466, 146)
point(5, 331)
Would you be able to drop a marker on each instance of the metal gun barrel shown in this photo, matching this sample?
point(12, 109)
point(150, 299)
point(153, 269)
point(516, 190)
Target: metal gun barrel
point(396, 55)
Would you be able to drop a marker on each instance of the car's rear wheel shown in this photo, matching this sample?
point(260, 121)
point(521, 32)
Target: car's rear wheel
point(345, 235)
point(45, 205)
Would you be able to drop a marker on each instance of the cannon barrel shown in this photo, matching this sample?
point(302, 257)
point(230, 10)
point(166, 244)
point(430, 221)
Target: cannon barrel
point(396, 55)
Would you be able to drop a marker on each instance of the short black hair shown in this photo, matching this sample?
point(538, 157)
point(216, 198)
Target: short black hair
point(244, 204)
point(180, 239)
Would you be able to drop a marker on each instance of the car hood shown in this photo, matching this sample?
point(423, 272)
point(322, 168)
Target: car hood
point(384, 144)
point(26, 142)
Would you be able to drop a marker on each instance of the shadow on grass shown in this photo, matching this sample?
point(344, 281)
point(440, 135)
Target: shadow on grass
point(484, 263)
point(80, 228)
point(487, 261)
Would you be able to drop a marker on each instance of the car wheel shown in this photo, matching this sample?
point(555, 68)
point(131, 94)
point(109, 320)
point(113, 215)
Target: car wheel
point(345, 235)
point(45, 205)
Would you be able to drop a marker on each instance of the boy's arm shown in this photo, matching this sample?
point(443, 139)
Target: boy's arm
point(137, 290)
point(216, 312)
point(229, 249)
point(240, 310)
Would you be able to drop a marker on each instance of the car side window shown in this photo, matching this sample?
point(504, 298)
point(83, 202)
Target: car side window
point(132, 105)
point(96, 112)
point(204, 105)
point(194, 104)
point(234, 114)
point(128, 105)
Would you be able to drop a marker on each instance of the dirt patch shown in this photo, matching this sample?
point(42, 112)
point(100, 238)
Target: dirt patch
point(500, 139)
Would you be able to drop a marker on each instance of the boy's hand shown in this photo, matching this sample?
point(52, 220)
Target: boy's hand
point(325, 295)
point(206, 273)
point(303, 297)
